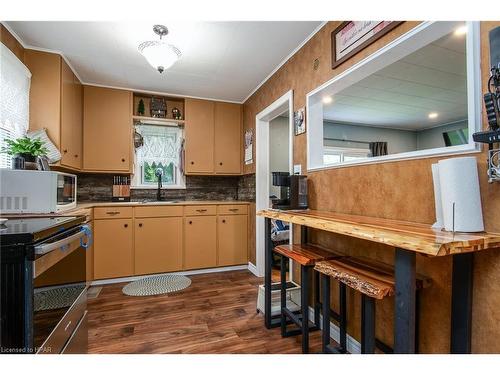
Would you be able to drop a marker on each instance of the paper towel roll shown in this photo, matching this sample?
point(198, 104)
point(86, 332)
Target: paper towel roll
point(437, 197)
point(460, 195)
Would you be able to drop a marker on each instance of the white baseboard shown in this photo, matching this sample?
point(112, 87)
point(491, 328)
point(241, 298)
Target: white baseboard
point(253, 269)
point(353, 346)
point(185, 273)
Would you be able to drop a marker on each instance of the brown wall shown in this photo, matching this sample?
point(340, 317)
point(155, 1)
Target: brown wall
point(399, 190)
point(11, 43)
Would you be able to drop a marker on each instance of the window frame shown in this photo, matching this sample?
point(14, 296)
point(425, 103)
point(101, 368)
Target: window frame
point(416, 38)
point(137, 168)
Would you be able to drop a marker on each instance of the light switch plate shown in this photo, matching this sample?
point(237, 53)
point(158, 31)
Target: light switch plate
point(297, 169)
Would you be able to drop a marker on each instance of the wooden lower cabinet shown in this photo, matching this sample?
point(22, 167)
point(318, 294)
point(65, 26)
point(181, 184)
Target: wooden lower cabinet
point(158, 245)
point(200, 242)
point(232, 234)
point(113, 248)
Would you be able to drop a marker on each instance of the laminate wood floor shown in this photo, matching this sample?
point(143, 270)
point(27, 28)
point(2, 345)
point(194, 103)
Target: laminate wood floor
point(216, 314)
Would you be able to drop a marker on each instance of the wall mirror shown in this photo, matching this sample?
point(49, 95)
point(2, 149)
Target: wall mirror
point(419, 96)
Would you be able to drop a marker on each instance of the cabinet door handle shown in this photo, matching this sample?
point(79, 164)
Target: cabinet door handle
point(76, 155)
point(223, 221)
point(220, 163)
point(192, 162)
point(201, 210)
point(140, 225)
point(190, 222)
point(125, 225)
point(65, 151)
point(123, 160)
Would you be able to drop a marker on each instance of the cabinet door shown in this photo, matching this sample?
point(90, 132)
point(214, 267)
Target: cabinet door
point(200, 242)
point(67, 115)
point(232, 231)
point(158, 245)
point(113, 248)
point(227, 138)
point(77, 139)
point(107, 129)
point(199, 136)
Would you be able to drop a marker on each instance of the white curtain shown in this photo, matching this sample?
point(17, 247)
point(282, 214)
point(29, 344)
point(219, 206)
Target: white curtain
point(15, 81)
point(161, 144)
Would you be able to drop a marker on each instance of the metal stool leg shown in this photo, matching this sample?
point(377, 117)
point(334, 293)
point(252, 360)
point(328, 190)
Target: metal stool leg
point(305, 273)
point(325, 330)
point(317, 302)
point(367, 325)
point(283, 295)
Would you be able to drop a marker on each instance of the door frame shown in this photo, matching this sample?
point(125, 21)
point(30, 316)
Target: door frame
point(262, 169)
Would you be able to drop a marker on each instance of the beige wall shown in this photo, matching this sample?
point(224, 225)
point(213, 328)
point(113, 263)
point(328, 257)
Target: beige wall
point(398, 190)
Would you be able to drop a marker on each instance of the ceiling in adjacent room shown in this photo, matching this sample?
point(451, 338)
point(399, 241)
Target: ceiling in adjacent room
point(220, 60)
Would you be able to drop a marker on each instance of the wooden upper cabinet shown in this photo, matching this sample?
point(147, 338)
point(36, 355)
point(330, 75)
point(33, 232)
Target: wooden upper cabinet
point(107, 129)
point(227, 138)
point(71, 118)
point(213, 137)
point(56, 104)
point(199, 136)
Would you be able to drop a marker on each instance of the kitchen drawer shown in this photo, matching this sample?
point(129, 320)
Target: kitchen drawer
point(158, 211)
point(232, 209)
point(112, 212)
point(200, 210)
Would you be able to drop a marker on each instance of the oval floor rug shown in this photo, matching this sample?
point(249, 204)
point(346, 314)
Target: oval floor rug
point(153, 285)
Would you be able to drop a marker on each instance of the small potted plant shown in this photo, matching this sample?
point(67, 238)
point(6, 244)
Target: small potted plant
point(25, 152)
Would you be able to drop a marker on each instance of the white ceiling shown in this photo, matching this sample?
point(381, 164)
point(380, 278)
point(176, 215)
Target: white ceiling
point(432, 79)
point(220, 60)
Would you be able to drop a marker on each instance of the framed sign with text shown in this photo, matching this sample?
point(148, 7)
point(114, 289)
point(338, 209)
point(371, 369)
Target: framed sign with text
point(353, 36)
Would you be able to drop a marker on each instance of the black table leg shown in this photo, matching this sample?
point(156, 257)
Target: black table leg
point(325, 334)
point(267, 273)
point(343, 316)
point(404, 301)
point(461, 303)
point(304, 294)
point(283, 295)
point(367, 325)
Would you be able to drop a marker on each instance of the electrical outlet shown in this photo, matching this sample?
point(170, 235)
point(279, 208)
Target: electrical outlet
point(297, 169)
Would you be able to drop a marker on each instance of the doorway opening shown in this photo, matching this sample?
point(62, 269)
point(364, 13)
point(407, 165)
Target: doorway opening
point(274, 153)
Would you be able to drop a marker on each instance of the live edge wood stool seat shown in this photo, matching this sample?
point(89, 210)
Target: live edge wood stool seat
point(374, 280)
point(306, 256)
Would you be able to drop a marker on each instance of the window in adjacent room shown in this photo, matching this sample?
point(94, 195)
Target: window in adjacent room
point(162, 148)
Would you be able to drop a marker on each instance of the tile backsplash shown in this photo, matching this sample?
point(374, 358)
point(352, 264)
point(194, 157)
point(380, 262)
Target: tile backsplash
point(98, 187)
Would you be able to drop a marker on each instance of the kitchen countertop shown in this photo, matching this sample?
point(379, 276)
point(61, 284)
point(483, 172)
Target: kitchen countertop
point(154, 203)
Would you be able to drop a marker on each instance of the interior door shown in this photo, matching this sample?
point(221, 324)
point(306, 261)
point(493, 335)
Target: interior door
point(158, 245)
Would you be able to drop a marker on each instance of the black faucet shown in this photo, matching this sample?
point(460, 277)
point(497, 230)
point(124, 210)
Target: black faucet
point(159, 174)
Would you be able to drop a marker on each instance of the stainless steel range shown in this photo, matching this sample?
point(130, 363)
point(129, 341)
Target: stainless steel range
point(43, 285)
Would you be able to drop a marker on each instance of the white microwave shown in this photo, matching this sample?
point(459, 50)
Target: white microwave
point(36, 192)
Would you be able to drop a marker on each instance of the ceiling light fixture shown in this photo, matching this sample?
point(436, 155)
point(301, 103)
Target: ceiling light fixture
point(159, 54)
point(327, 99)
point(461, 30)
point(433, 115)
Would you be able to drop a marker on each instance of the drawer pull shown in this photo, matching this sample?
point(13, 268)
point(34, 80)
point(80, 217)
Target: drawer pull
point(234, 209)
point(112, 212)
point(201, 210)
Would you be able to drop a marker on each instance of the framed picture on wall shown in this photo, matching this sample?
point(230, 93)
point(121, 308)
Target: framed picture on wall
point(352, 37)
point(299, 119)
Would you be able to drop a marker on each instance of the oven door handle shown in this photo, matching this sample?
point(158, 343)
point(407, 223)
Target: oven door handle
point(63, 243)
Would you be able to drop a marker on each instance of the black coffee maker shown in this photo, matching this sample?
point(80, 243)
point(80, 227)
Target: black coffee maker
point(293, 191)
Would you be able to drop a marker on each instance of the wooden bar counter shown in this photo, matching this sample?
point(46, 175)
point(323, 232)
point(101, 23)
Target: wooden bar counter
point(408, 239)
